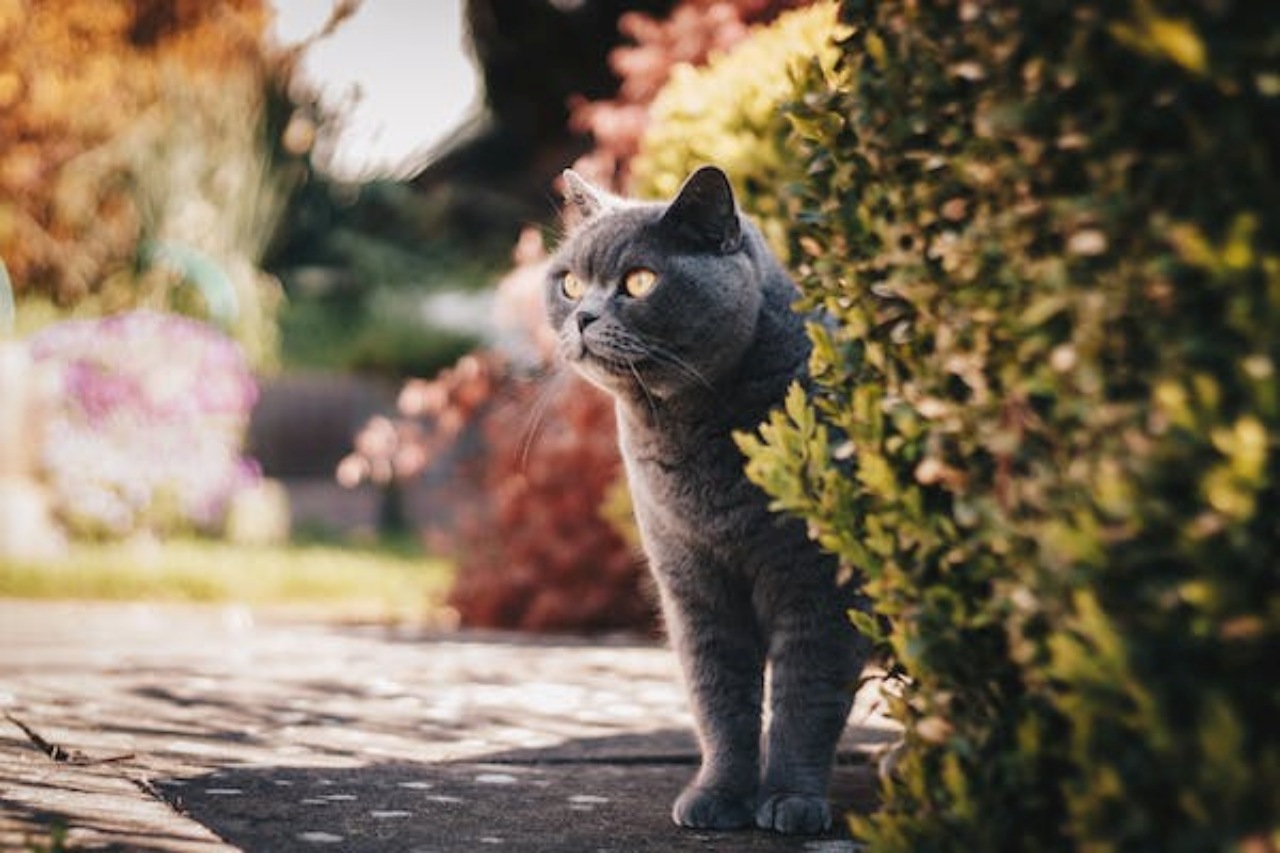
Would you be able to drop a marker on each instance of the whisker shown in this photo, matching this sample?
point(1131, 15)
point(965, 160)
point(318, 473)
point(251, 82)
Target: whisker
point(653, 407)
point(643, 347)
point(550, 383)
point(669, 357)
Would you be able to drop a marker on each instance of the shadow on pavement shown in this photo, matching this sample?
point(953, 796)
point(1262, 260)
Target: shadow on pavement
point(596, 794)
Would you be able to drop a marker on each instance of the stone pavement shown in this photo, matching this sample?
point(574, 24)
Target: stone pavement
point(144, 727)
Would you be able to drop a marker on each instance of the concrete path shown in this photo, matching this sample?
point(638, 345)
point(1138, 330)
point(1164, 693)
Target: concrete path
point(139, 727)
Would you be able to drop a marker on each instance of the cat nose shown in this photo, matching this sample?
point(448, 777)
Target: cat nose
point(585, 318)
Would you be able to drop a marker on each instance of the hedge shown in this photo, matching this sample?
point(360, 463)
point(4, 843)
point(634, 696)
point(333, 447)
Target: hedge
point(1048, 237)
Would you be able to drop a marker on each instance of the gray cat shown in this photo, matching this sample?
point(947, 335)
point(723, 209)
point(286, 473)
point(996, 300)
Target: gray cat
point(681, 313)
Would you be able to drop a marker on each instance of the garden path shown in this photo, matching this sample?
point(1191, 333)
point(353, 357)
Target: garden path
point(147, 727)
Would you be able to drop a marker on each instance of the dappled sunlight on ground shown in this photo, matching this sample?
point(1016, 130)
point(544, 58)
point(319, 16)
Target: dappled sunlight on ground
point(264, 730)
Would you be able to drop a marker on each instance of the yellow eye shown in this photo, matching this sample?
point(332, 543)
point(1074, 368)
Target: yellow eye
point(640, 282)
point(572, 286)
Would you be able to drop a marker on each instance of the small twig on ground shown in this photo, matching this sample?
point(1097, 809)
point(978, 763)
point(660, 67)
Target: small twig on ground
point(60, 755)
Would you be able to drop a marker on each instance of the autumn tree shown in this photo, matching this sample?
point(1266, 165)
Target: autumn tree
point(138, 132)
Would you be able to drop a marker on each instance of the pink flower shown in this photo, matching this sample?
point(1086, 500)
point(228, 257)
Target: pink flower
point(149, 430)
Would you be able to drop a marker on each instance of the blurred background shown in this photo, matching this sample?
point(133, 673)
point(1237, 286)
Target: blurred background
point(271, 332)
point(269, 321)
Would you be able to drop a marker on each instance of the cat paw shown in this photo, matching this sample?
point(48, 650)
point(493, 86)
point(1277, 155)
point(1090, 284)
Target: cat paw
point(712, 808)
point(794, 814)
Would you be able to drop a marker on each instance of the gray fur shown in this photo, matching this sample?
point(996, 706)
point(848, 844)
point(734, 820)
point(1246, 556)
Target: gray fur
point(709, 351)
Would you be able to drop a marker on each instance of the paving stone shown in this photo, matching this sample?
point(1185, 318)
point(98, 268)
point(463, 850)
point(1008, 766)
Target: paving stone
point(85, 806)
point(196, 728)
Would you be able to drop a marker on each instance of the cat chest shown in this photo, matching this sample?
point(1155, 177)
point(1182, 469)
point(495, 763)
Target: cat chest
point(702, 499)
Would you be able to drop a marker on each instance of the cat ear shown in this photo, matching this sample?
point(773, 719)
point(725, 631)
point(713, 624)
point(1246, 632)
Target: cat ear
point(704, 210)
point(585, 197)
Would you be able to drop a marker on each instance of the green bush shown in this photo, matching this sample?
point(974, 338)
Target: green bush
point(729, 112)
point(1048, 235)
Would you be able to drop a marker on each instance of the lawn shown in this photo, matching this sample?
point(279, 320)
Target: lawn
point(384, 582)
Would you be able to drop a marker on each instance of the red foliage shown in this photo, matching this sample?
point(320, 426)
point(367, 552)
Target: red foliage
point(523, 460)
point(534, 551)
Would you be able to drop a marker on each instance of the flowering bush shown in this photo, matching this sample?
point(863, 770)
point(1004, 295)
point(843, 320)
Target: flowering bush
point(147, 431)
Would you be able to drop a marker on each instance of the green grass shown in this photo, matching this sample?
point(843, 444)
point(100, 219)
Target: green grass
point(384, 582)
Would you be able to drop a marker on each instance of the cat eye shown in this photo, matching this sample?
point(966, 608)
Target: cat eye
point(572, 286)
point(640, 282)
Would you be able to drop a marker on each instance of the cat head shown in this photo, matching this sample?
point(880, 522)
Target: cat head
point(650, 300)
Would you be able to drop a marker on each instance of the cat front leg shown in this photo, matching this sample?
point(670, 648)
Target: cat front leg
point(812, 671)
point(722, 657)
